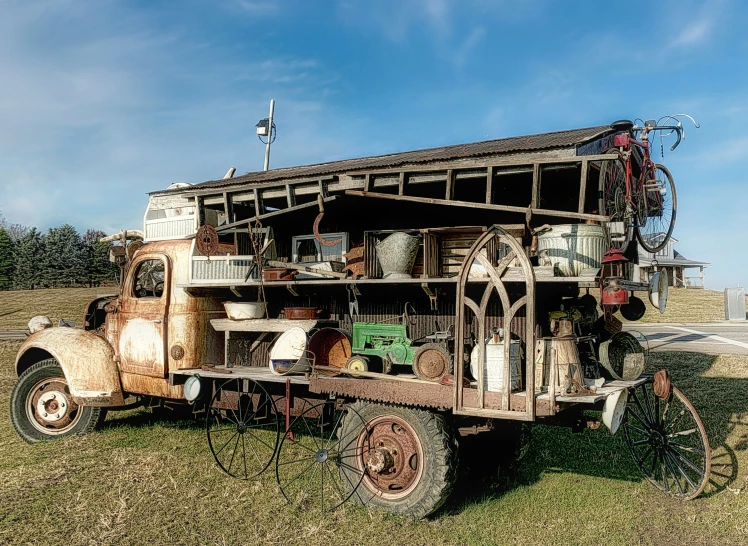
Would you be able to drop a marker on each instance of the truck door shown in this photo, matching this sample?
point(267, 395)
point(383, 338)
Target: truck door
point(145, 310)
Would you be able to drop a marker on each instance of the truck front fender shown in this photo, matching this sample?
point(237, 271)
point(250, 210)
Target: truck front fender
point(87, 360)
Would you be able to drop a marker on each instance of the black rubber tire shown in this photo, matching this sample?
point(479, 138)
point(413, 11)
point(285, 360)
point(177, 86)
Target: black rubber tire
point(674, 205)
point(439, 459)
point(89, 417)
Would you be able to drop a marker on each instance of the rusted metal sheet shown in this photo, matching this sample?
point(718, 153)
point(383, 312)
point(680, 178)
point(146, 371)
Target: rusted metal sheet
point(86, 359)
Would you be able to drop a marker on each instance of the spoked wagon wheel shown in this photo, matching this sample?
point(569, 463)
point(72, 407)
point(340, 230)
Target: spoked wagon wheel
point(668, 441)
point(316, 468)
point(243, 428)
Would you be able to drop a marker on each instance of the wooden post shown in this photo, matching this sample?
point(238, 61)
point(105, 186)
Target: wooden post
point(401, 183)
point(259, 207)
point(228, 206)
point(290, 195)
point(489, 184)
point(535, 184)
point(583, 185)
point(367, 182)
point(450, 193)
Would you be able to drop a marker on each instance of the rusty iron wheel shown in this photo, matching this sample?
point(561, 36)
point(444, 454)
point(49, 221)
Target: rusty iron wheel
point(42, 407)
point(431, 362)
point(50, 408)
point(408, 456)
point(316, 465)
point(243, 428)
point(392, 455)
point(668, 441)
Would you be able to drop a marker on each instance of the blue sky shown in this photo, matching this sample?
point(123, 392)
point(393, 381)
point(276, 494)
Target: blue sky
point(103, 101)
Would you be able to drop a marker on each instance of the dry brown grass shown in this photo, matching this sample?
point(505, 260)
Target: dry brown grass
point(141, 482)
point(18, 306)
point(685, 305)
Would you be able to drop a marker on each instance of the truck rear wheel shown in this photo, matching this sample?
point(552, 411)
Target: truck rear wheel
point(41, 407)
point(409, 456)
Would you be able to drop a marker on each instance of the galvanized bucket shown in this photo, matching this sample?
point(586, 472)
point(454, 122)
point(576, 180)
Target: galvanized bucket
point(397, 255)
point(570, 248)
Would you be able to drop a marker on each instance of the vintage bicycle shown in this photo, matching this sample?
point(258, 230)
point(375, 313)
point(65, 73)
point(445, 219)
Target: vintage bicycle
point(635, 192)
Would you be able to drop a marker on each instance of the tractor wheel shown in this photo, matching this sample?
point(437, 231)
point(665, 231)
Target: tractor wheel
point(359, 363)
point(431, 362)
point(409, 457)
point(41, 407)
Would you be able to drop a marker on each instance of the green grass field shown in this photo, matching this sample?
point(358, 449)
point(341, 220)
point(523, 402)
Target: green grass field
point(143, 481)
point(18, 306)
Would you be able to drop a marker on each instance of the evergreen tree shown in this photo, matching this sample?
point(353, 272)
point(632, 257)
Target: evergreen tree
point(98, 266)
point(28, 259)
point(7, 260)
point(64, 258)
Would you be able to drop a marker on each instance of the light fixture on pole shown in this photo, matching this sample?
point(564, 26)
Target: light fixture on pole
point(266, 129)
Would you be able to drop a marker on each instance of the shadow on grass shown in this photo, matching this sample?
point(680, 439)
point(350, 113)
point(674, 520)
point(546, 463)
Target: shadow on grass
point(720, 401)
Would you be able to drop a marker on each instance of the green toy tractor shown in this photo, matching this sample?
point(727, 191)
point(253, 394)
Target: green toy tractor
point(391, 344)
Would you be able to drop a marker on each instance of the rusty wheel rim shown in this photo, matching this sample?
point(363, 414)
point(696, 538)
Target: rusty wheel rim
point(50, 408)
point(392, 455)
point(432, 364)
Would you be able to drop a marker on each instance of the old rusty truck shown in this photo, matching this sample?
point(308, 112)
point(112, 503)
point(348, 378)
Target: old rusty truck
point(238, 300)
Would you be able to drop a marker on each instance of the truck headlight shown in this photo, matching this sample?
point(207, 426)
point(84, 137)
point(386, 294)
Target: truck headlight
point(193, 388)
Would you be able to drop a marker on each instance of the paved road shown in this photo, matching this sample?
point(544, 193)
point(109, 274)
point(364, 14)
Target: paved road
point(712, 338)
point(13, 334)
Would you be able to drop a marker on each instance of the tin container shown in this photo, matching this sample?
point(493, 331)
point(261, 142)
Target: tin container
point(570, 248)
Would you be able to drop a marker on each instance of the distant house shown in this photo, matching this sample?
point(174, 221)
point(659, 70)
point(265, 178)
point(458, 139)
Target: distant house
point(681, 271)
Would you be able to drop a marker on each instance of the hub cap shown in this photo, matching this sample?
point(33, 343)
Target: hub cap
point(50, 408)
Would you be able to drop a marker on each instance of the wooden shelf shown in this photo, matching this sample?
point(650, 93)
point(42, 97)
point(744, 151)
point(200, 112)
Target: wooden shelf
point(266, 325)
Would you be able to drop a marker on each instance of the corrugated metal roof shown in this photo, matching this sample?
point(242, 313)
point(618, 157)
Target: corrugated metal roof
point(544, 141)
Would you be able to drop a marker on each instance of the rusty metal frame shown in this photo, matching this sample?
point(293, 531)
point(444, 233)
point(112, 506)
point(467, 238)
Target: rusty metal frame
point(496, 235)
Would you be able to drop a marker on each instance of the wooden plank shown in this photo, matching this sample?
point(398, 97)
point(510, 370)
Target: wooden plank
point(483, 206)
point(263, 325)
point(247, 221)
point(259, 205)
point(228, 206)
point(401, 183)
point(583, 185)
point(450, 193)
point(489, 184)
point(372, 375)
point(322, 188)
point(367, 182)
point(290, 196)
point(535, 184)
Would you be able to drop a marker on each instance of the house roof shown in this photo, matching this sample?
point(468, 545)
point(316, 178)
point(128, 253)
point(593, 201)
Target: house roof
point(544, 141)
point(678, 260)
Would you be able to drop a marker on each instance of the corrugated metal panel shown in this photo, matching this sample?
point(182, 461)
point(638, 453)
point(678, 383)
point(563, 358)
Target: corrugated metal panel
point(221, 268)
point(170, 228)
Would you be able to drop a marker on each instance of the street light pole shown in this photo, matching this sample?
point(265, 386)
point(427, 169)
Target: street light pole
point(270, 135)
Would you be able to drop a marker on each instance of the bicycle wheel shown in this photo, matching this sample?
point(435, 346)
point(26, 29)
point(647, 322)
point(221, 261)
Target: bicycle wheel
point(656, 226)
point(613, 202)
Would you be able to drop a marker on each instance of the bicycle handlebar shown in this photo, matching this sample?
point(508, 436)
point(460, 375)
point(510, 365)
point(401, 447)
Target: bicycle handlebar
point(677, 128)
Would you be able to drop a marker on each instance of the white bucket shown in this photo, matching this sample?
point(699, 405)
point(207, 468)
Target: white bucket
point(493, 365)
point(570, 248)
point(289, 354)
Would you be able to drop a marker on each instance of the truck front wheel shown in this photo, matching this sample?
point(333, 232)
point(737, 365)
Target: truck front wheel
point(408, 456)
point(41, 407)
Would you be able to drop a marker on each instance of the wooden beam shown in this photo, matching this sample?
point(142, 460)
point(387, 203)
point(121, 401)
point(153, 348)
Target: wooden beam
point(367, 182)
point(535, 184)
point(401, 184)
point(482, 206)
point(450, 193)
point(583, 185)
point(259, 205)
point(489, 184)
point(228, 206)
point(248, 221)
point(322, 188)
point(290, 196)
